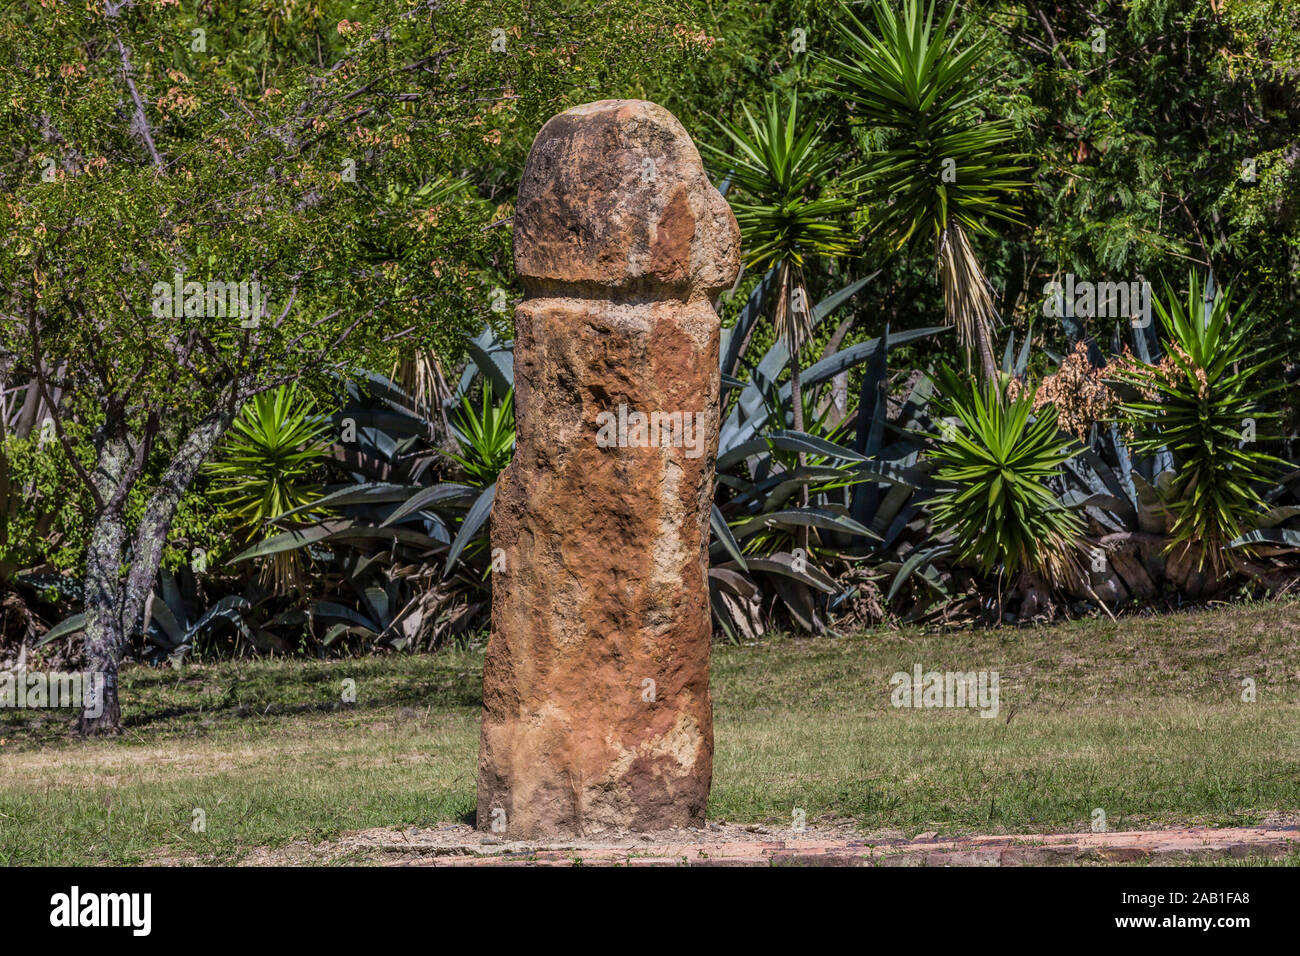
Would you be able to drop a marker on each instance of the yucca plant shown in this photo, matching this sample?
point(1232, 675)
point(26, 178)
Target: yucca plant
point(1202, 403)
point(420, 375)
point(993, 469)
point(780, 170)
point(267, 467)
point(486, 435)
point(944, 171)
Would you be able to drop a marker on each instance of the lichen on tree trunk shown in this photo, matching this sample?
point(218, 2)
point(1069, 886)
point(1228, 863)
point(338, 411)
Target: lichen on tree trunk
point(122, 563)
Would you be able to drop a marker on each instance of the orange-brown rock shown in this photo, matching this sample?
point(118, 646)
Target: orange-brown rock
point(596, 710)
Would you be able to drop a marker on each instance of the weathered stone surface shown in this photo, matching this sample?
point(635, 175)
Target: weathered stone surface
point(596, 710)
point(614, 198)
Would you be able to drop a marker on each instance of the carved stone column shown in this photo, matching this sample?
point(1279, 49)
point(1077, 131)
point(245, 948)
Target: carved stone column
point(596, 709)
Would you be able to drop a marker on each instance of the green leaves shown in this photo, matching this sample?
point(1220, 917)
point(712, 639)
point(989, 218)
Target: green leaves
point(922, 82)
point(993, 468)
point(475, 519)
point(944, 170)
point(487, 435)
point(786, 208)
point(1202, 403)
point(267, 464)
point(782, 169)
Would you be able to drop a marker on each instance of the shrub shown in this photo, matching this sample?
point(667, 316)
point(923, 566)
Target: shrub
point(1197, 403)
point(267, 467)
point(993, 470)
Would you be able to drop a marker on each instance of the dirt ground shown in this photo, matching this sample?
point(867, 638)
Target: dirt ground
point(727, 844)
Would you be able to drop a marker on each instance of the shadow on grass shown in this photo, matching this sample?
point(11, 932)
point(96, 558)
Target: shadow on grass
point(155, 703)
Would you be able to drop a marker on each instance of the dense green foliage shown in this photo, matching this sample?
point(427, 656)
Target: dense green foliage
point(486, 435)
point(358, 159)
point(943, 170)
point(265, 466)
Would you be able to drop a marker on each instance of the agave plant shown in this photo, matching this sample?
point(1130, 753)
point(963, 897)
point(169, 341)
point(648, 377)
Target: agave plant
point(407, 545)
point(994, 464)
point(945, 172)
point(1203, 404)
point(22, 412)
point(8, 500)
point(784, 517)
point(778, 486)
point(182, 624)
point(1125, 491)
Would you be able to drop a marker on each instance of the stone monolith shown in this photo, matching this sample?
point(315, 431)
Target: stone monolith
point(596, 709)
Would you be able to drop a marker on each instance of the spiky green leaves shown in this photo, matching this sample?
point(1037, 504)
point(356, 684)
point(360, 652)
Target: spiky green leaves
point(943, 170)
point(787, 212)
point(943, 163)
point(486, 435)
point(993, 467)
point(266, 466)
point(782, 171)
point(1202, 402)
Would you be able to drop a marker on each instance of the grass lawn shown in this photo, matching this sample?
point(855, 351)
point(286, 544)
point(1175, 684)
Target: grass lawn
point(1143, 719)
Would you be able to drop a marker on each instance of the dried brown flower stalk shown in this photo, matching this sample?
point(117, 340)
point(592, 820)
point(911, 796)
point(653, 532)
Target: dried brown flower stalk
point(1076, 389)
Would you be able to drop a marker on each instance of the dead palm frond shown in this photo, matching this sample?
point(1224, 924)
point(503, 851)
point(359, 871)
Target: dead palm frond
point(967, 296)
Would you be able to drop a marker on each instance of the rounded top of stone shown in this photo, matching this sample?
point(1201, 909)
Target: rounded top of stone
point(614, 197)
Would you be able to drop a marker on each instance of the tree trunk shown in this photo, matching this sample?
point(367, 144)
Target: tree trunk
point(796, 399)
point(151, 534)
point(795, 345)
point(114, 605)
point(104, 640)
point(796, 394)
point(987, 365)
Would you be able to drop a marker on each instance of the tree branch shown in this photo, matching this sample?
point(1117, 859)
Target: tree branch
point(68, 448)
point(141, 118)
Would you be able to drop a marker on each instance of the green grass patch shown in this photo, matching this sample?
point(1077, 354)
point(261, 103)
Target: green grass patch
point(1142, 718)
